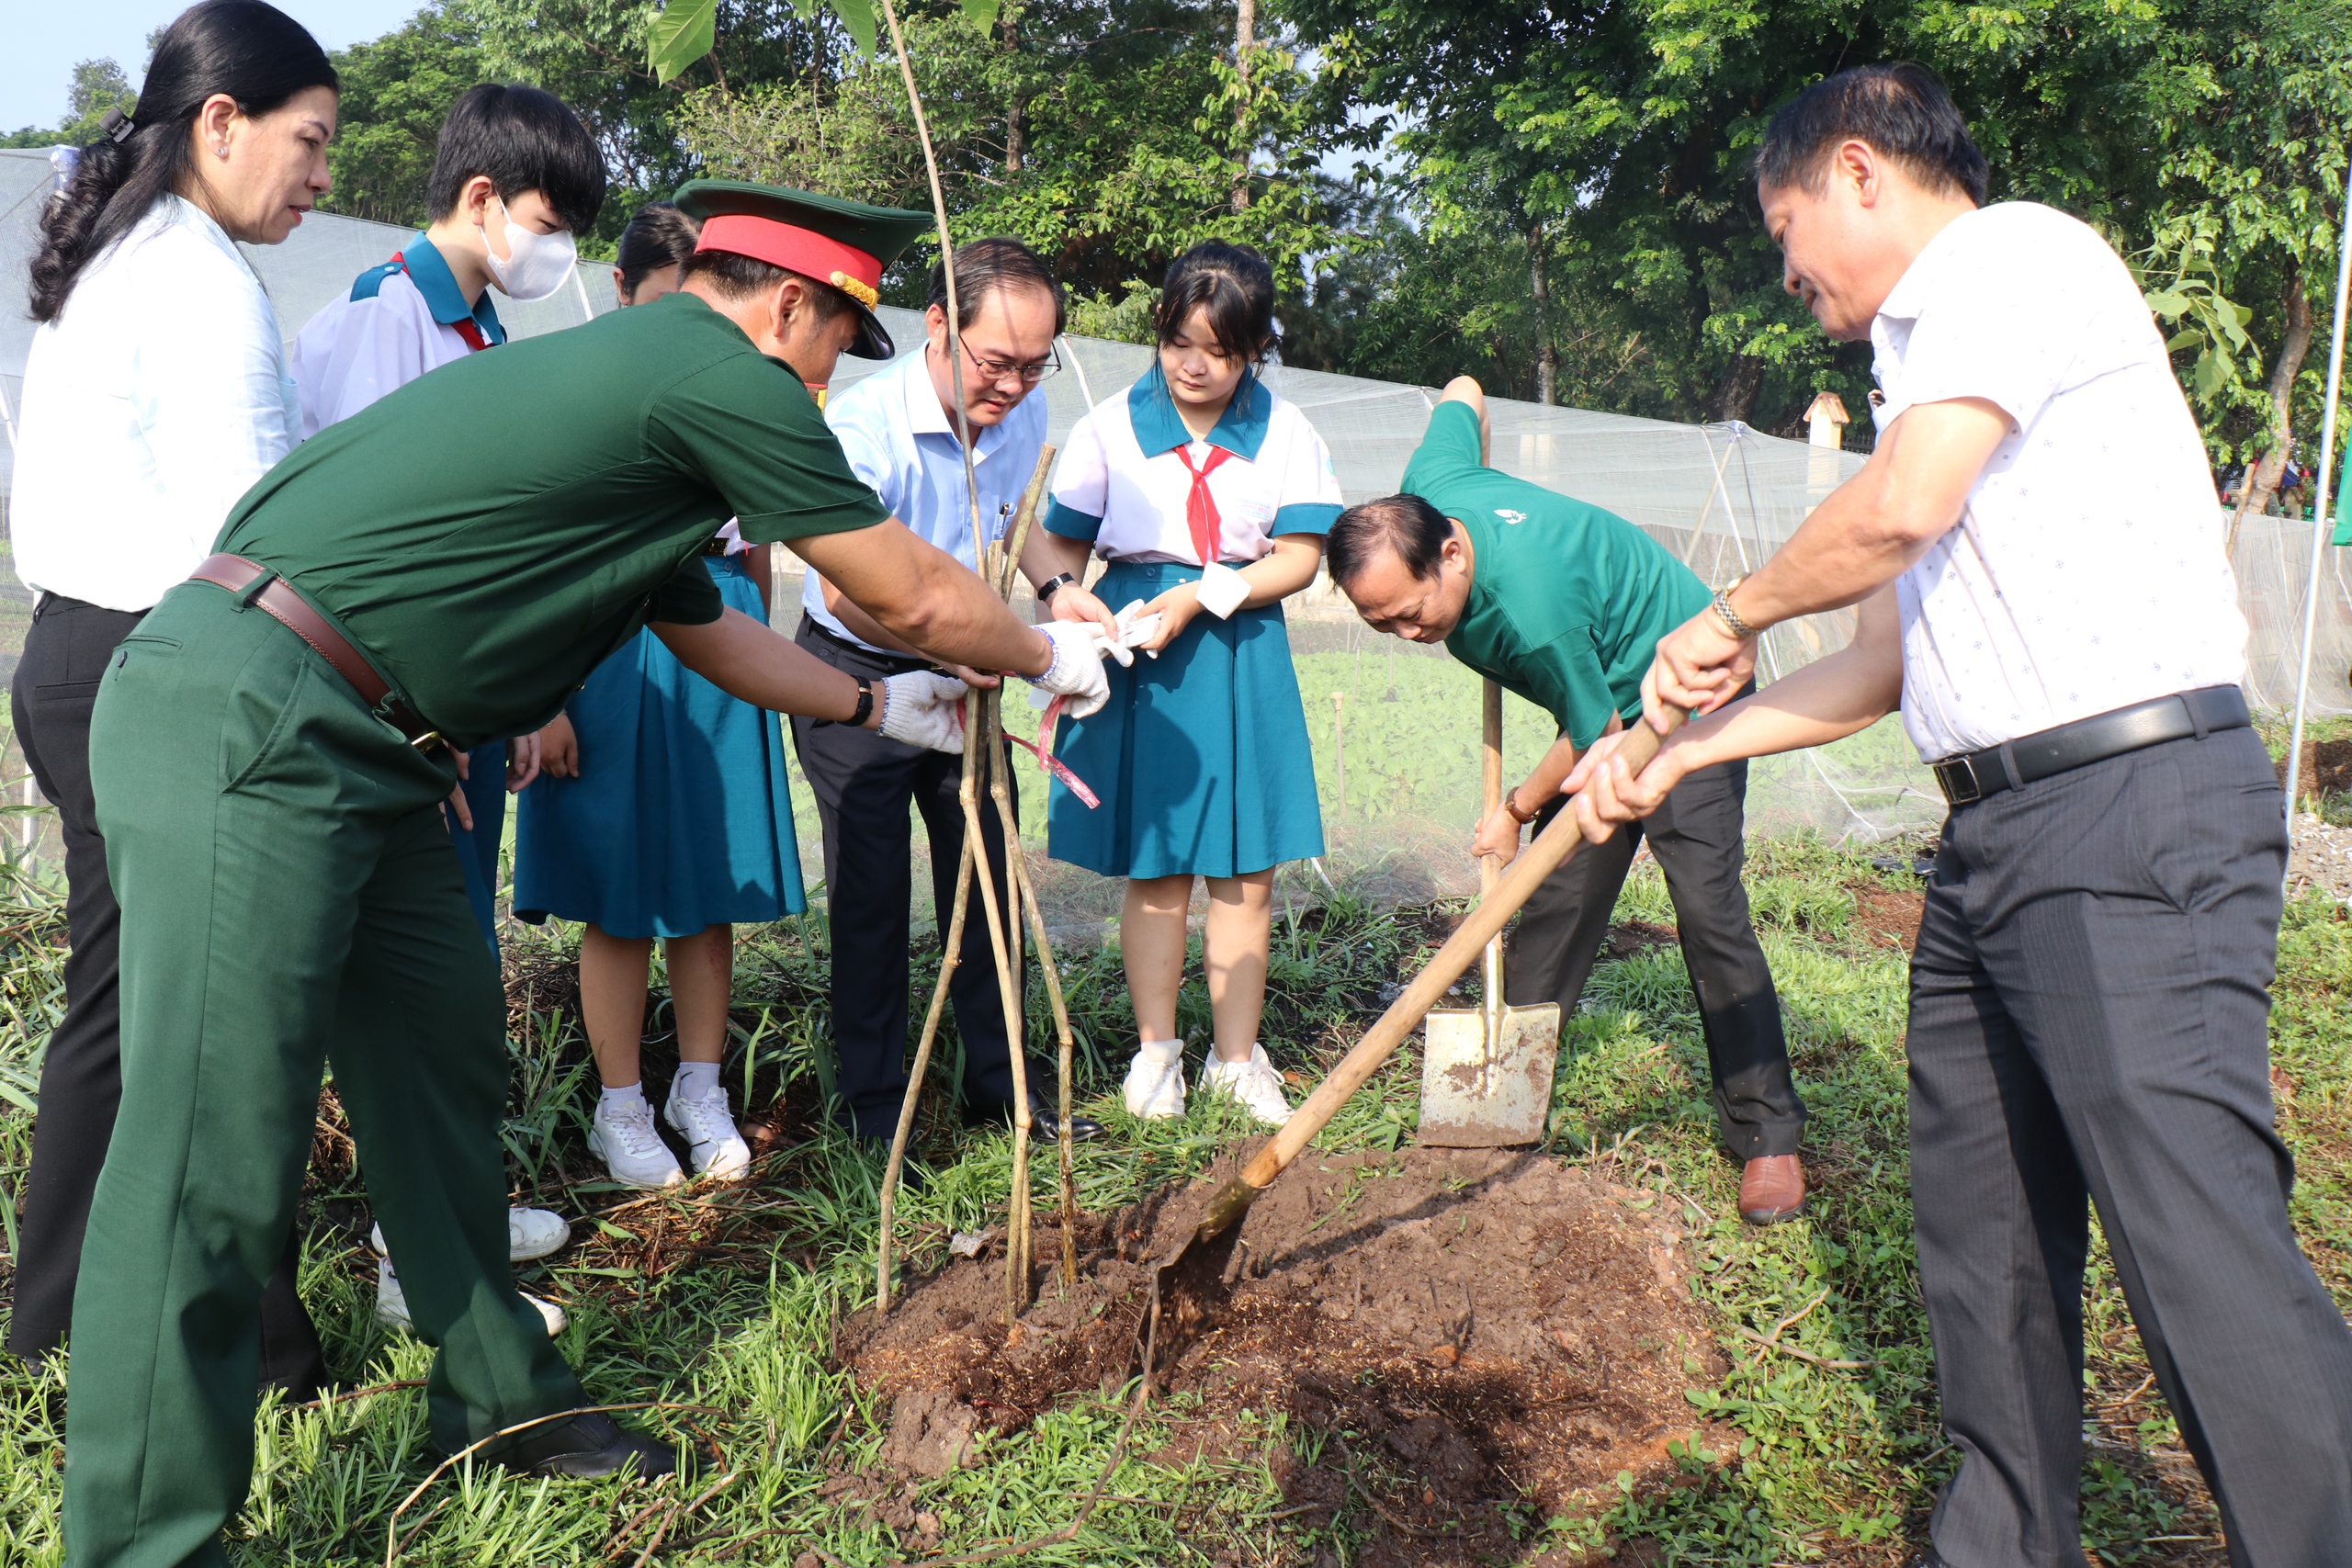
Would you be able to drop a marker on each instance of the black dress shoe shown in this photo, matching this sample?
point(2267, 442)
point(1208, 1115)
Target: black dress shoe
point(589, 1447)
point(1045, 1126)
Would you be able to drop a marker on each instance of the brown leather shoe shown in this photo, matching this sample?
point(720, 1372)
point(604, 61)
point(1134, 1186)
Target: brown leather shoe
point(1771, 1190)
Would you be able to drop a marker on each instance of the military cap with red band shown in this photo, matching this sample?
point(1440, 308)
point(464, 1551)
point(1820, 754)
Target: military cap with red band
point(847, 244)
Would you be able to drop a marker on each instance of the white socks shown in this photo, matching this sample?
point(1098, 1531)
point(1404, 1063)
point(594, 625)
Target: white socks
point(695, 1080)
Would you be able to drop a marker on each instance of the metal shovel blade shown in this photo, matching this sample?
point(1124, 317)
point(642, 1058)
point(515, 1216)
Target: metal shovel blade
point(1472, 1099)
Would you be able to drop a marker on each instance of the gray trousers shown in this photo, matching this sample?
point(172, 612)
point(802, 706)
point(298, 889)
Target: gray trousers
point(2088, 1020)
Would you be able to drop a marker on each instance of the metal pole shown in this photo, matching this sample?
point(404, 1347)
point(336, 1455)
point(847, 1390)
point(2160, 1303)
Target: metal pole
point(2318, 508)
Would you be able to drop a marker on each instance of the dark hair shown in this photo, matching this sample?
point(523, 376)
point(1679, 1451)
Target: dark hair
point(739, 276)
point(253, 52)
point(983, 266)
point(1236, 286)
point(1900, 110)
point(524, 139)
point(1410, 527)
point(659, 236)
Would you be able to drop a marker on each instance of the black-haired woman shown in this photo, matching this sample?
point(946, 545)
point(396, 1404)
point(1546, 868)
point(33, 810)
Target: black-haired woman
point(663, 810)
point(1206, 492)
point(155, 394)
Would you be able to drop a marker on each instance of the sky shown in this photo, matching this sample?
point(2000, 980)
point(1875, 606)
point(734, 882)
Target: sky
point(45, 40)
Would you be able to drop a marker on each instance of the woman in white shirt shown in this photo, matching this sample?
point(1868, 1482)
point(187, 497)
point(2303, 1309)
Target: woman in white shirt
point(154, 396)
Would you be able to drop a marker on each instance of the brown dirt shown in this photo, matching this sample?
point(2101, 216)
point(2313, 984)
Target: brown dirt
point(1887, 917)
point(1487, 1325)
point(2327, 769)
point(1634, 937)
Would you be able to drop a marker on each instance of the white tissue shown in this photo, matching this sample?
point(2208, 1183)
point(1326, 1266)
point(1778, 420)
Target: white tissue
point(1222, 590)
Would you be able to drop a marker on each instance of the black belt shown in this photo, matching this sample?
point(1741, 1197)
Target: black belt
point(891, 663)
point(1973, 776)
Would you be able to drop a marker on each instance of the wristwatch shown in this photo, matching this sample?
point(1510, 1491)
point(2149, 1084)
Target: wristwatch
point(1053, 585)
point(865, 706)
point(1729, 617)
point(1510, 804)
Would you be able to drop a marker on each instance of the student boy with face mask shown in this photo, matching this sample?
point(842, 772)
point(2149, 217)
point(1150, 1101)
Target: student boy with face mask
point(514, 176)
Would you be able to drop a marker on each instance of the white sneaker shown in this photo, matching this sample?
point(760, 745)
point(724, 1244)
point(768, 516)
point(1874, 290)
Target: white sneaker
point(631, 1148)
point(530, 1232)
point(1155, 1084)
point(715, 1147)
point(534, 1232)
point(1254, 1083)
point(391, 1305)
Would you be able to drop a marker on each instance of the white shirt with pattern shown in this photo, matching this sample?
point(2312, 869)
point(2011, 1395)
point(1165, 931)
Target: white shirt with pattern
point(2085, 572)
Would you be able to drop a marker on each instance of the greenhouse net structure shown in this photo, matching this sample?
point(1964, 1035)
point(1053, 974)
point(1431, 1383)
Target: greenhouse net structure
point(1395, 725)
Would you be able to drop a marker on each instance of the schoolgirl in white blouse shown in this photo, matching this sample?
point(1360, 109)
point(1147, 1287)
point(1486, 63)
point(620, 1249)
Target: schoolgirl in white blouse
point(1209, 496)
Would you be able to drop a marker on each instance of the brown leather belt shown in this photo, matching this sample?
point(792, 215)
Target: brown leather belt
point(290, 609)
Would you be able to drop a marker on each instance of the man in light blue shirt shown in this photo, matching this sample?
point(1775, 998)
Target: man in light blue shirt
point(899, 431)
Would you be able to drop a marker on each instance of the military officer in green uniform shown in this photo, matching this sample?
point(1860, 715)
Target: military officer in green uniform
point(1563, 602)
point(270, 751)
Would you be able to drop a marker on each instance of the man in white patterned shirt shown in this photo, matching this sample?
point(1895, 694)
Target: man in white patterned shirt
point(2036, 548)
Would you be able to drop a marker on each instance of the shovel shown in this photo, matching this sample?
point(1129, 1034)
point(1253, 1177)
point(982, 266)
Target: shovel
point(1487, 1073)
point(1199, 1261)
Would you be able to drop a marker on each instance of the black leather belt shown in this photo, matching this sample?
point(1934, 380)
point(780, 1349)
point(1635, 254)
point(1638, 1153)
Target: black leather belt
point(1973, 776)
point(890, 663)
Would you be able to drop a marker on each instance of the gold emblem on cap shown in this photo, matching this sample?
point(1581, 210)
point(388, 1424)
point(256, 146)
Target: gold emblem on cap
point(856, 288)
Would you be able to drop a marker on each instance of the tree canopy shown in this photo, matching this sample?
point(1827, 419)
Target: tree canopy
point(1553, 194)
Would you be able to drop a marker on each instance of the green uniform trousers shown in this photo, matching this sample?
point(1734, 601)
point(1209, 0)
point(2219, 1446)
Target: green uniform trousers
point(289, 899)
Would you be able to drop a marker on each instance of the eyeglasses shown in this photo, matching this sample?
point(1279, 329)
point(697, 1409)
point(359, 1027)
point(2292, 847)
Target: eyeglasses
point(1029, 372)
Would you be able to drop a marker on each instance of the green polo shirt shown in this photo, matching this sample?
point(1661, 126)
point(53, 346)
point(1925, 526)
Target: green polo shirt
point(1567, 602)
point(487, 533)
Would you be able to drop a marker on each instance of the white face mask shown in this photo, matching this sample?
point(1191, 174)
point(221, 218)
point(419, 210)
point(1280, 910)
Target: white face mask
point(536, 264)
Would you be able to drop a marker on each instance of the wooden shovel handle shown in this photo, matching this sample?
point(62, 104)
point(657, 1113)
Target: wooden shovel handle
point(1551, 846)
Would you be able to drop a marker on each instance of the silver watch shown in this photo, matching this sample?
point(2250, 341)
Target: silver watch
point(1729, 617)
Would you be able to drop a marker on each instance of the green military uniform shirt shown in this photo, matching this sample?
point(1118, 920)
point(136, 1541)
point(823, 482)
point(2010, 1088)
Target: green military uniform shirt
point(1567, 602)
point(487, 533)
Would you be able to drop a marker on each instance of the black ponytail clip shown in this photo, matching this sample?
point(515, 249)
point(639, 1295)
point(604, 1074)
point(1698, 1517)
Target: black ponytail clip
point(116, 126)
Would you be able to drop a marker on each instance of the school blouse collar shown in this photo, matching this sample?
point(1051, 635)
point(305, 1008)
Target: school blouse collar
point(429, 270)
point(1240, 429)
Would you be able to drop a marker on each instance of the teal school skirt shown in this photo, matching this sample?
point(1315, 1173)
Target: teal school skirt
point(1201, 756)
point(682, 817)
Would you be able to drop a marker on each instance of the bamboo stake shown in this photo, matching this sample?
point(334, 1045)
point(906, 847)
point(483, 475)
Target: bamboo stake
point(1016, 1273)
point(953, 954)
point(1017, 861)
point(948, 270)
point(1019, 1209)
point(947, 962)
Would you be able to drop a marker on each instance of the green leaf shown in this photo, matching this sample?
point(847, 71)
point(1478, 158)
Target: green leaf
point(681, 34)
point(857, 15)
point(2212, 370)
point(980, 13)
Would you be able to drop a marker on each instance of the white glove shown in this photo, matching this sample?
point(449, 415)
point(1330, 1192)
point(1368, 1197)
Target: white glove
point(1135, 628)
point(923, 709)
point(1077, 669)
point(1222, 590)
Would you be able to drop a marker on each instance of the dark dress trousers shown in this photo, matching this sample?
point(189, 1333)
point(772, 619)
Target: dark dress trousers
point(1696, 835)
point(2089, 1008)
point(864, 783)
point(66, 650)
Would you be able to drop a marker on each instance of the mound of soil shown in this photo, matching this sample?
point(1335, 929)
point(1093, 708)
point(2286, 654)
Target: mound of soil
point(1491, 1324)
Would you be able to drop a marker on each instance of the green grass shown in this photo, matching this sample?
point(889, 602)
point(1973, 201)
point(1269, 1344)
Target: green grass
point(723, 1309)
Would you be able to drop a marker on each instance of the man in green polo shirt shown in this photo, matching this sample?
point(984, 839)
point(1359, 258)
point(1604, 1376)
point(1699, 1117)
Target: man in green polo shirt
point(269, 752)
point(1563, 603)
